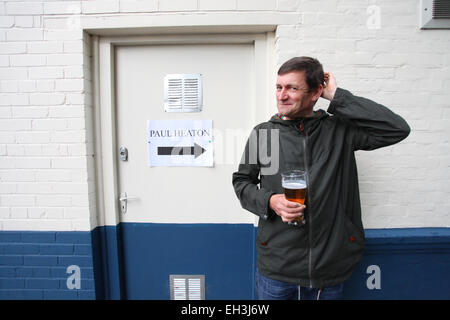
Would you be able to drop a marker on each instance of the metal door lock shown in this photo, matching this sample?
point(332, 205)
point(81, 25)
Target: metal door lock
point(123, 152)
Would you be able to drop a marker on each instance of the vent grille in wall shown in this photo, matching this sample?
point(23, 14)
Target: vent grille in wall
point(435, 14)
point(187, 287)
point(441, 9)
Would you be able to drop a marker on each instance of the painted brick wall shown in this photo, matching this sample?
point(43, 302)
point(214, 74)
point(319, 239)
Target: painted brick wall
point(34, 265)
point(44, 116)
point(375, 48)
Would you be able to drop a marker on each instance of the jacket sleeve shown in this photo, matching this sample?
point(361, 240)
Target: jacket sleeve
point(246, 185)
point(373, 125)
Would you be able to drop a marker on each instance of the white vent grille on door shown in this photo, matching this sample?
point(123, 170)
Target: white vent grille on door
point(183, 93)
point(187, 287)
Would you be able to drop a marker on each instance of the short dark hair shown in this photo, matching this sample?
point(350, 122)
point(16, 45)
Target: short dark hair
point(313, 70)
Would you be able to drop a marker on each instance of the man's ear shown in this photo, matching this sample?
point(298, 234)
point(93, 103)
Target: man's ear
point(318, 92)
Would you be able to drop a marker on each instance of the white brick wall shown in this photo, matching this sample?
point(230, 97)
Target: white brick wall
point(43, 149)
point(375, 49)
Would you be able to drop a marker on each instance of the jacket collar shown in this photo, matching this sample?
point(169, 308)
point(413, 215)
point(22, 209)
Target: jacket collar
point(309, 123)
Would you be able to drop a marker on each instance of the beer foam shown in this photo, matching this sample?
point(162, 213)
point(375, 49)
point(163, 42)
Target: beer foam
point(300, 184)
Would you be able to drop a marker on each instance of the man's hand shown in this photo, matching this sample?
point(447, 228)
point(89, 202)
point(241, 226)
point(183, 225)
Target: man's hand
point(287, 210)
point(330, 86)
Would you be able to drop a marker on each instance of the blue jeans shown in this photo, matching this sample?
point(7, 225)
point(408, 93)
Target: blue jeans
point(269, 289)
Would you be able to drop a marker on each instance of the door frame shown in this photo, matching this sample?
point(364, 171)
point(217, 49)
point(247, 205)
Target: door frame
point(104, 118)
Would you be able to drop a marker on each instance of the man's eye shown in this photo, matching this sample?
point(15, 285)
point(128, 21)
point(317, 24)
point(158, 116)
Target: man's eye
point(294, 88)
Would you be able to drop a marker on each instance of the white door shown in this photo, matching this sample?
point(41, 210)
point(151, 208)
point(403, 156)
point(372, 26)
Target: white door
point(183, 194)
point(180, 220)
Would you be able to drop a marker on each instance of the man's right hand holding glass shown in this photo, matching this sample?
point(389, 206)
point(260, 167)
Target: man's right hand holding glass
point(287, 210)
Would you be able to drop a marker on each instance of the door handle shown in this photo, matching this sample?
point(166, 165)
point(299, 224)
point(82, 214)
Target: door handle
point(125, 197)
point(123, 201)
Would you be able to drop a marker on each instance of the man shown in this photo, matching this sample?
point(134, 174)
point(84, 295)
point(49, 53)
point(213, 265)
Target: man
point(314, 259)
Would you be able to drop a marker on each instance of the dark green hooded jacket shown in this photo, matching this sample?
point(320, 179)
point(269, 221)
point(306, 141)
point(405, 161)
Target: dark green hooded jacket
point(325, 251)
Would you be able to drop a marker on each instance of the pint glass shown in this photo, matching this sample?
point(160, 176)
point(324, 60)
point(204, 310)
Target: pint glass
point(295, 188)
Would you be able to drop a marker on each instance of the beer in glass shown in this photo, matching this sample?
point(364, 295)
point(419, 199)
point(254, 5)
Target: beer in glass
point(294, 187)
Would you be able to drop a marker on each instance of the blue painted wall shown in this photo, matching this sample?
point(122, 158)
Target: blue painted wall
point(134, 261)
point(33, 265)
point(224, 253)
point(413, 264)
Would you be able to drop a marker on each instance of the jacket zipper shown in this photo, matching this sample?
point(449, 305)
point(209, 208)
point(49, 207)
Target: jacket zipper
point(305, 159)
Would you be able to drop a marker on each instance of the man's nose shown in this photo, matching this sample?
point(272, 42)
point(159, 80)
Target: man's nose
point(283, 94)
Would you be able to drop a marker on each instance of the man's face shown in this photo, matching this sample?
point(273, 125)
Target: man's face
point(294, 99)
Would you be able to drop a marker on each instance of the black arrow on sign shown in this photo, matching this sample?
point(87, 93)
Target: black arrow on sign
point(196, 150)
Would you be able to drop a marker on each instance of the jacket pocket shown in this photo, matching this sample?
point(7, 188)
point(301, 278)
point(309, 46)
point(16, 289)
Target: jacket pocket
point(354, 234)
point(352, 248)
point(343, 250)
point(276, 234)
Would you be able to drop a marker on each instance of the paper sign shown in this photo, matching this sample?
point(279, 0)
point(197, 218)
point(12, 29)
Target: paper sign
point(180, 143)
